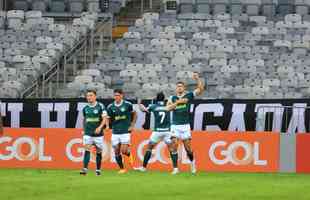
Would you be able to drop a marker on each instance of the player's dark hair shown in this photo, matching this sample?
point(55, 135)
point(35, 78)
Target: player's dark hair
point(181, 82)
point(160, 97)
point(120, 91)
point(92, 91)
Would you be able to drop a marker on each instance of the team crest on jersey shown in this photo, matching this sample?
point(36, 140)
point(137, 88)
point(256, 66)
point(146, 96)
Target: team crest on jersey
point(122, 109)
point(95, 111)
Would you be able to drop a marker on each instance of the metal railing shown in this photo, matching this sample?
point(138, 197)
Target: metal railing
point(285, 119)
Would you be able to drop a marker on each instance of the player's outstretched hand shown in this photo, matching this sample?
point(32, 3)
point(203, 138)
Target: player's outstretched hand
point(196, 76)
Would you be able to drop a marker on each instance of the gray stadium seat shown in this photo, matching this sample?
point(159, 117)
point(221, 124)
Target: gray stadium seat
point(301, 7)
point(21, 5)
point(93, 5)
point(58, 6)
point(202, 7)
point(220, 6)
point(186, 6)
point(76, 6)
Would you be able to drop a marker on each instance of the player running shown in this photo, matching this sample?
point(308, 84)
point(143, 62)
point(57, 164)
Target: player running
point(180, 128)
point(94, 114)
point(161, 129)
point(122, 118)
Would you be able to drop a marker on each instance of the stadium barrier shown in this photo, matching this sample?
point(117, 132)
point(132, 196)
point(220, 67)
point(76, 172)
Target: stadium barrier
point(207, 115)
point(214, 151)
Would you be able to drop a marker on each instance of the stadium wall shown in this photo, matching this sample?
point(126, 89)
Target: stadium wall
point(214, 151)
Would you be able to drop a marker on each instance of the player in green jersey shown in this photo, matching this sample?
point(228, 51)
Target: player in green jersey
point(122, 117)
point(161, 130)
point(94, 114)
point(180, 127)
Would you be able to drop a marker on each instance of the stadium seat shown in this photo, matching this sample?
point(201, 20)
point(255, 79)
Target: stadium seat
point(220, 6)
point(58, 6)
point(285, 7)
point(203, 7)
point(302, 7)
point(269, 8)
point(21, 5)
point(39, 5)
point(186, 6)
point(93, 6)
point(76, 6)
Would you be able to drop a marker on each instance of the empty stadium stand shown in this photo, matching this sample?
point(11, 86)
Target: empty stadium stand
point(240, 56)
point(56, 7)
point(32, 46)
point(242, 48)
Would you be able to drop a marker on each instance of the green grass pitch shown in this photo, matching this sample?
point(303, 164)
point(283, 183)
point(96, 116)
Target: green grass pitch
point(69, 185)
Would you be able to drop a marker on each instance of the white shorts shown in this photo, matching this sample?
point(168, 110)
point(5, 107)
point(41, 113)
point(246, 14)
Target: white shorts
point(97, 141)
point(182, 132)
point(160, 136)
point(117, 139)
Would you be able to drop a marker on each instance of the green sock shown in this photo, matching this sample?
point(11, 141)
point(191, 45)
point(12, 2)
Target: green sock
point(119, 161)
point(98, 161)
point(147, 157)
point(190, 155)
point(86, 159)
point(174, 158)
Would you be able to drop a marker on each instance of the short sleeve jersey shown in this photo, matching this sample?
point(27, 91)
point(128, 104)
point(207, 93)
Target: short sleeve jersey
point(161, 116)
point(92, 118)
point(181, 114)
point(120, 116)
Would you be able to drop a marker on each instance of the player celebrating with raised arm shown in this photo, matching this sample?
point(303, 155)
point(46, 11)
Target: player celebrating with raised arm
point(122, 118)
point(94, 114)
point(161, 129)
point(180, 128)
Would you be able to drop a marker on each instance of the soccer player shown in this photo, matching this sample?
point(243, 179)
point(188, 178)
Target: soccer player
point(161, 129)
point(94, 114)
point(122, 117)
point(180, 128)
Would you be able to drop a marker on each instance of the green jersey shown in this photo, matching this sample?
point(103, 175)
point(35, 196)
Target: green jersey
point(181, 114)
point(92, 118)
point(120, 116)
point(161, 115)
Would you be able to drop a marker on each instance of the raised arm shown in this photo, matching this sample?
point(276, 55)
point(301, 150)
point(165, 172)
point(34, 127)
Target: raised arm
point(200, 85)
